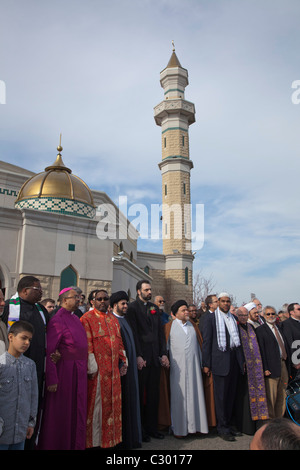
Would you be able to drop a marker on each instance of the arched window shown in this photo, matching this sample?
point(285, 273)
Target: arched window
point(68, 277)
point(146, 269)
point(186, 276)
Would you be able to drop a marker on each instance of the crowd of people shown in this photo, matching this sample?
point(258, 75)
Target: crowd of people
point(107, 373)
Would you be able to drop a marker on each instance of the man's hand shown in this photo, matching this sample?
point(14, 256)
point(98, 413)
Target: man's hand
point(123, 370)
point(52, 388)
point(55, 357)
point(29, 432)
point(206, 371)
point(140, 363)
point(165, 361)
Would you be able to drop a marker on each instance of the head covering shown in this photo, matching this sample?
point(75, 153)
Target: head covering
point(223, 294)
point(175, 307)
point(65, 290)
point(250, 306)
point(117, 296)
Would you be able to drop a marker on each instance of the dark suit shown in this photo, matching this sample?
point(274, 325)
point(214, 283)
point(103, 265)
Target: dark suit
point(225, 367)
point(202, 319)
point(150, 344)
point(269, 350)
point(279, 368)
point(37, 348)
point(291, 331)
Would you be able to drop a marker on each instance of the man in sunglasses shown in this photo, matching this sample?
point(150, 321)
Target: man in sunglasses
point(106, 363)
point(160, 303)
point(274, 354)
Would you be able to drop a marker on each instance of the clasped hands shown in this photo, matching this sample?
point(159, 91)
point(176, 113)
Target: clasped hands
point(163, 360)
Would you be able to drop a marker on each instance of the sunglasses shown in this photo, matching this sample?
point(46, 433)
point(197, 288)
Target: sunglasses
point(101, 299)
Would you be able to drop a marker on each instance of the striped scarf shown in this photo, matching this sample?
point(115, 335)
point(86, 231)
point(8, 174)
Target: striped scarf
point(14, 310)
point(231, 327)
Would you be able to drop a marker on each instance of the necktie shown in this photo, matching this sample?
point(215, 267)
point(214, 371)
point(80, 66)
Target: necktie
point(280, 342)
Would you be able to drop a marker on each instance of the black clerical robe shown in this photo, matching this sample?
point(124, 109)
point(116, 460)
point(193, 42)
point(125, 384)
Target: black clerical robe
point(131, 418)
point(37, 349)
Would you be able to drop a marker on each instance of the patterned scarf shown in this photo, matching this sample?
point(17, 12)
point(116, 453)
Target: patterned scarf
point(256, 380)
point(221, 332)
point(14, 310)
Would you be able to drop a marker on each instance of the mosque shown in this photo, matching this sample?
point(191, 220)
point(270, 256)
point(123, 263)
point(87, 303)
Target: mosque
point(50, 223)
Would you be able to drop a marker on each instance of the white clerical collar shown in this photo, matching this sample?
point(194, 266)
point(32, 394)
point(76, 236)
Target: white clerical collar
point(183, 325)
point(117, 315)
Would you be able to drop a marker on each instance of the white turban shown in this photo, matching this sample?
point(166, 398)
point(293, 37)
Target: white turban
point(223, 294)
point(250, 306)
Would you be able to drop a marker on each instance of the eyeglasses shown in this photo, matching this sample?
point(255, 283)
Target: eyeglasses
point(268, 314)
point(102, 299)
point(161, 301)
point(34, 288)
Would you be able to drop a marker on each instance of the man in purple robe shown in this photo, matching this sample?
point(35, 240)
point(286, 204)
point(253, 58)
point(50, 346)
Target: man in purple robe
point(64, 416)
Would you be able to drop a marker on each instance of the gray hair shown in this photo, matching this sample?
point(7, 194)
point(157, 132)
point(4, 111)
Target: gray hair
point(269, 306)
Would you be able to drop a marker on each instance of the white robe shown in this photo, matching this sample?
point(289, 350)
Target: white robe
point(188, 411)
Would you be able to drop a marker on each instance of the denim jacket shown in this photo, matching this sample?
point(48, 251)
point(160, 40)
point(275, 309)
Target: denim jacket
point(18, 397)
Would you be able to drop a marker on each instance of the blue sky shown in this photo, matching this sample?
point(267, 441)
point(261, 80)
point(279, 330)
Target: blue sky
point(90, 70)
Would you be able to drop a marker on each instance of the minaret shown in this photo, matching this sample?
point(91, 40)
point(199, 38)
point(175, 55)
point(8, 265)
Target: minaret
point(174, 114)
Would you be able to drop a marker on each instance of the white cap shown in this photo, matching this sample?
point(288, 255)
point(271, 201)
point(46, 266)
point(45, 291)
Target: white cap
point(223, 294)
point(250, 306)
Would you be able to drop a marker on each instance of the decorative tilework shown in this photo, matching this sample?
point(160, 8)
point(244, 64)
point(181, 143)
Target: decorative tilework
point(58, 206)
point(9, 192)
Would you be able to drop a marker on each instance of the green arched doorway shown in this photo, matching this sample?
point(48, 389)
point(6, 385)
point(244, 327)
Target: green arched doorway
point(68, 277)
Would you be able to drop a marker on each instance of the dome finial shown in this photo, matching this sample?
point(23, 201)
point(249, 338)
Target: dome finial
point(58, 164)
point(173, 44)
point(59, 148)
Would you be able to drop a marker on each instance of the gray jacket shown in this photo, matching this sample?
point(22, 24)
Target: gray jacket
point(18, 397)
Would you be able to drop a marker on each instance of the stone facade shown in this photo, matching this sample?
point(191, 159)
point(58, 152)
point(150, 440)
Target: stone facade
point(175, 142)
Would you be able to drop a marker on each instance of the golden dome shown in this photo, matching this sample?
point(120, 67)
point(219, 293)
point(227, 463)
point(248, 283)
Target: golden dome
point(57, 190)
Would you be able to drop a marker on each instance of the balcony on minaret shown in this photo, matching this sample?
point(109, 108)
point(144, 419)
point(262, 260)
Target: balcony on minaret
point(179, 107)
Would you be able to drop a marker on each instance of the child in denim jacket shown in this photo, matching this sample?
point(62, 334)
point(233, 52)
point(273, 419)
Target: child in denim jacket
point(18, 389)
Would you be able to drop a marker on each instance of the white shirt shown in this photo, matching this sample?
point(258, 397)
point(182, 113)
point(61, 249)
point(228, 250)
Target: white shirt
point(183, 325)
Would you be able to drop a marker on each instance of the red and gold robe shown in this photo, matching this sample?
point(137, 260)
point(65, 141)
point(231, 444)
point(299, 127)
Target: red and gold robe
point(106, 350)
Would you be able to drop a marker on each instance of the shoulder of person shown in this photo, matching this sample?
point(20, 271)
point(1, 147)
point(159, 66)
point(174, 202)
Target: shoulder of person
point(28, 361)
point(45, 311)
point(133, 305)
point(287, 323)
